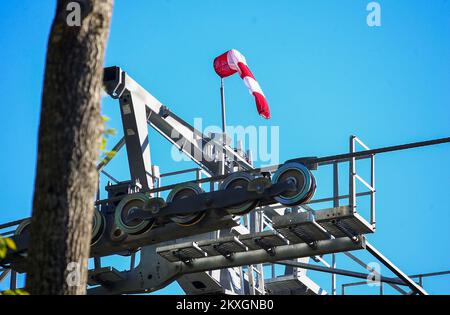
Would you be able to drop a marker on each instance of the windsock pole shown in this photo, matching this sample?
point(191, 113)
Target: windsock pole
point(224, 124)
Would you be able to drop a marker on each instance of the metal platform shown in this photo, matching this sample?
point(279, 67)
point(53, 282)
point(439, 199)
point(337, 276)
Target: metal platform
point(343, 221)
point(104, 276)
point(300, 227)
point(263, 240)
point(309, 227)
point(293, 285)
point(184, 252)
point(225, 246)
point(195, 261)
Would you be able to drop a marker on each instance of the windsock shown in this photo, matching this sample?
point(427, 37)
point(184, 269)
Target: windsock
point(233, 61)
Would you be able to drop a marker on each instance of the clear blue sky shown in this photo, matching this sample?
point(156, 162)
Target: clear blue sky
point(325, 73)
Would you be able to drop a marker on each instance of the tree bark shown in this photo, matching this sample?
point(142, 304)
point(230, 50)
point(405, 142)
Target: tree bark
point(69, 141)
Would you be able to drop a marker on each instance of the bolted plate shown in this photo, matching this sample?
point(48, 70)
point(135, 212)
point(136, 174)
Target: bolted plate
point(229, 244)
point(269, 238)
point(355, 223)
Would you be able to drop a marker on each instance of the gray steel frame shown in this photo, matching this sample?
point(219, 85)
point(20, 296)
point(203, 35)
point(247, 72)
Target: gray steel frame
point(144, 108)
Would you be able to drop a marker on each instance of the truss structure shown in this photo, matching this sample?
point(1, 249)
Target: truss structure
point(197, 240)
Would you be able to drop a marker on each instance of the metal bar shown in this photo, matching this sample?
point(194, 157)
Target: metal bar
point(8, 233)
point(320, 259)
point(360, 154)
point(107, 159)
point(260, 256)
point(420, 276)
point(110, 176)
point(354, 283)
point(335, 185)
point(251, 280)
point(198, 174)
point(367, 193)
point(372, 195)
point(224, 125)
point(352, 173)
point(364, 182)
point(335, 204)
point(97, 262)
point(189, 170)
point(9, 224)
point(361, 143)
point(4, 274)
point(412, 284)
point(342, 272)
point(132, 261)
point(431, 274)
point(13, 280)
point(333, 276)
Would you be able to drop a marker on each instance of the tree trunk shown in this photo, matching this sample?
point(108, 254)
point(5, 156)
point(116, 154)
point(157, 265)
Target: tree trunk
point(69, 141)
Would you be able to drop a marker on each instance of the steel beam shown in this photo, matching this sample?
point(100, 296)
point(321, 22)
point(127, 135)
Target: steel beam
point(182, 135)
point(261, 256)
point(4, 274)
point(337, 271)
point(134, 121)
point(115, 149)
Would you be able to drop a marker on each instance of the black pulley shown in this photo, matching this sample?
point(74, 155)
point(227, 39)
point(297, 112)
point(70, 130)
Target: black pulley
point(128, 205)
point(98, 226)
point(182, 191)
point(304, 184)
point(239, 181)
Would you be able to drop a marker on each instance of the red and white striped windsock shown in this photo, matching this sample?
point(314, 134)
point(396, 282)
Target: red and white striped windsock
point(233, 61)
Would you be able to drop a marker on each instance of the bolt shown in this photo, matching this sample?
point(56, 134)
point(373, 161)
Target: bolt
point(154, 209)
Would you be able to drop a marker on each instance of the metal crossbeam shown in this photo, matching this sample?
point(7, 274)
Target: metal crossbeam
point(261, 256)
point(342, 272)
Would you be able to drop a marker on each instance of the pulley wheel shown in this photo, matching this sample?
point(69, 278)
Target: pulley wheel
point(239, 181)
point(301, 176)
point(312, 190)
point(98, 226)
point(23, 227)
point(185, 191)
point(126, 206)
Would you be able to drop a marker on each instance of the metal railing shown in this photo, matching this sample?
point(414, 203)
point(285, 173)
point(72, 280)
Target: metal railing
point(380, 283)
point(354, 176)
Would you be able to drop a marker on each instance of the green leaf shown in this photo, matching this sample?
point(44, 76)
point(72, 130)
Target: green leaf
point(110, 132)
point(103, 144)
point(10, 244)
point(3, 251)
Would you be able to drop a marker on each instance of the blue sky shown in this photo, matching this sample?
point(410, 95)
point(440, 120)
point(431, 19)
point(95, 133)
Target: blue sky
point(326, 75)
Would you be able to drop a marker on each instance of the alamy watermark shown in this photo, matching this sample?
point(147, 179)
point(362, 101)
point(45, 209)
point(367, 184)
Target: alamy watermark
point(263, 142)
point(374, 277)
point(374, 17)
point(73, 274)
point(73, 10)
